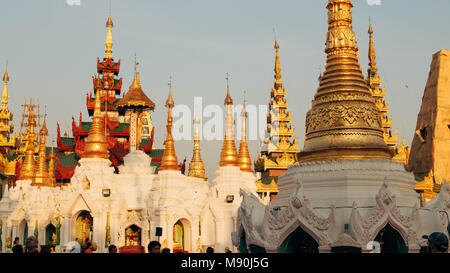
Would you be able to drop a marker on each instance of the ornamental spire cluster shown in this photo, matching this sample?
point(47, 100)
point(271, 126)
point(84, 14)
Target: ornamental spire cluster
point(344, 121)
point(41, 178)
point(244, 160)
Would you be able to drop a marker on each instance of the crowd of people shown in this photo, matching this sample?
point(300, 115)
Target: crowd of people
point(437, 243)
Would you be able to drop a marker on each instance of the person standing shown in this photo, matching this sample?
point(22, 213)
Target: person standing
point(437, 242)
point(154, 247)
point(17, 248)
point(31, 245)
point(112, 249)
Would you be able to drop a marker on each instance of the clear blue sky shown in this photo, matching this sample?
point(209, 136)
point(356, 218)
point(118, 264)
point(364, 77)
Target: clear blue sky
point(52, 50)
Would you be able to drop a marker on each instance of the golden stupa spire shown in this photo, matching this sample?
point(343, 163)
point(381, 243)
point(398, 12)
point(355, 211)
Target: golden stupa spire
point(228, 156)
point(41, 177)
point(136, 81)
point(169, 160)
point(109, 42)
point(197, 167)
point(344, 122)
point(28, 167)
point(244, 160)
point(51, 165)
point(96, 145)
point(277, 69)
point(5, 86)
point(372, 56)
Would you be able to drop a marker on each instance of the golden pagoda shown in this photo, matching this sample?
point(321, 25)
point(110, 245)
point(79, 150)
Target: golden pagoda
point(374, 81)
point(197, 167)
point(28, 168)
point(169, 161)
point(280, 148)
point(229, 156)
point(344, 122)
point(244, 160)
point(96, 145)
point(41, 177)
point(136, 107)
point(7, 142)
point(109, 42)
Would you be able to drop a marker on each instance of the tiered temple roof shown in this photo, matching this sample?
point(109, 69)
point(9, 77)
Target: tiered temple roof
point(280, 147)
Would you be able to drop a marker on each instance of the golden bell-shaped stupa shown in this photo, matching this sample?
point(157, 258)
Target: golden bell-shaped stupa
point(96, 145)
point(344, 122)
point(197, 167)
point(229, 156)
point(244, 160)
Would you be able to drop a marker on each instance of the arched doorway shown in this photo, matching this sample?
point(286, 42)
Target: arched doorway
point(50, 234)
point(299, 241)
point(23, 231)
point(83, 227)
point(391, 241)
point(181, 236)
point(133, 236)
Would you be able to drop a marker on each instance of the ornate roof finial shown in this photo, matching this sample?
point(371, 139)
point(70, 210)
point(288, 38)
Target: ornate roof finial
point(109, 42)
point(197, 167)
point(372, 63)
point(28, 167)
point(169, 160)
point(136, 82)
point(5, 86)
point(278, 84)
point(244, 160)
point(96, 145)
point(228, 156)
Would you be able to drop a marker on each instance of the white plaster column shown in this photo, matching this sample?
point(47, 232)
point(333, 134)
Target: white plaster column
point(219, 243)
point(3, 235)
point(15, 231)
point(65, 229)
point(169, 235)
point(7, 234)
point(194, 235)
point(114, 224)
point(97, 231)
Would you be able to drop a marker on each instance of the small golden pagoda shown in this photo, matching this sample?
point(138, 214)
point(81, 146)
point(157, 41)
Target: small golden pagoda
point(28, 168)
point(136, 107)
point(169, 161)
point(96, 145)
point(375, 82)
point(280, 148)
point(229, 156)
point(7, 142)
point(244, 160)
point(41, 177)
point(344, 122)
point(197, 167)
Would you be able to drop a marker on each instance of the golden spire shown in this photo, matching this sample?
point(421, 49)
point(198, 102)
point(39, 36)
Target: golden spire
point(5, 86)
point(372, 69)
point(51, 165)
point(95, 144)
point(136, 81)
point(109, 42)
point(169, 160)
point(244, 160)
point(197, 167)
point(41, 177)
point(278, 83)
point(228, 156)
point(344, 122)
point(28, 168)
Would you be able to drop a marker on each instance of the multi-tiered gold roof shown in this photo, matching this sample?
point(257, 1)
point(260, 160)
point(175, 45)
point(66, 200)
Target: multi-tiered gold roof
point(229, 156)
point(375, 81)
point(197, 167)
point(96, 145)
point(6, 116)
point(279, 149)
point(169, 160)
point(344, 122)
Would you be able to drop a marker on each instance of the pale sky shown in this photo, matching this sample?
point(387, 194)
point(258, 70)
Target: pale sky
point(52, 49)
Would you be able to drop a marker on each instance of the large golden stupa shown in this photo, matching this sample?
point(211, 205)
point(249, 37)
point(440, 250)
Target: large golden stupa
point(344, 121)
